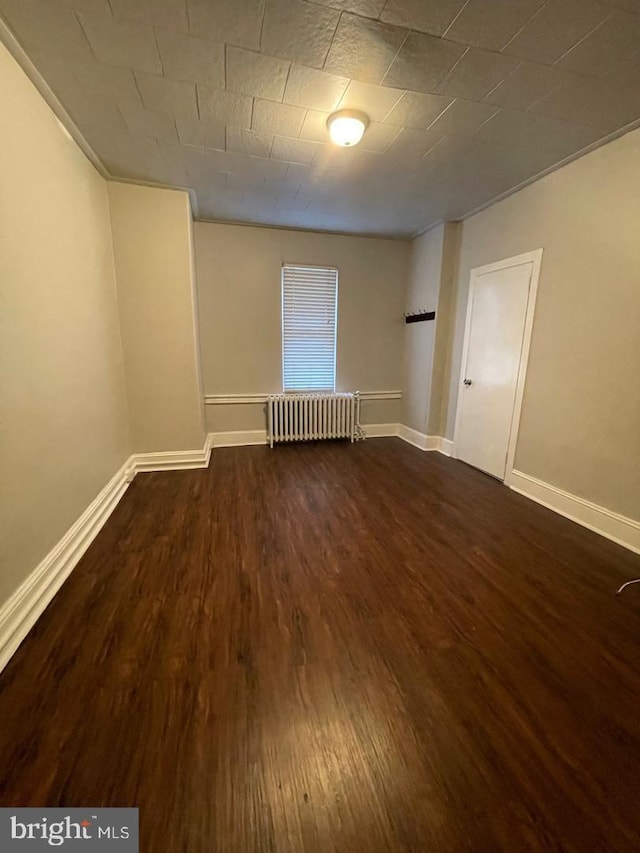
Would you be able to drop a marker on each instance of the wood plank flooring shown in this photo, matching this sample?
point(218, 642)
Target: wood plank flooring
point(336, 648)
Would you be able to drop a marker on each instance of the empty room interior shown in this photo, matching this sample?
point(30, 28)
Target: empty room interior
point(320, 425)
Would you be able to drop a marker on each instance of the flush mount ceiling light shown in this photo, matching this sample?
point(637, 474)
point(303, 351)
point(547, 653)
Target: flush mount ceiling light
point(346, 127)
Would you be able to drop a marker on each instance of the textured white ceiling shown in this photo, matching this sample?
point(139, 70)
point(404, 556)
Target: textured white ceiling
point(230, 97)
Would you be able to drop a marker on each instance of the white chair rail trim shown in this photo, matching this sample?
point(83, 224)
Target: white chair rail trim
point(234, 399)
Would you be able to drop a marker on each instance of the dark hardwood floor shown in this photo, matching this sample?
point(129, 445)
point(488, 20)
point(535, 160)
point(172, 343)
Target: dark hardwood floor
point(336, 648)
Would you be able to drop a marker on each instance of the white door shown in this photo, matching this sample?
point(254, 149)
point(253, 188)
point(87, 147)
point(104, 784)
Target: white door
point(494, 358)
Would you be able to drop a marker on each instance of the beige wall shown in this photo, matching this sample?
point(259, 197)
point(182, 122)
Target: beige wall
point(152, 237)
point(63, 417)
point(241, 417)
point(426, 344)
point(68, 337)
point(580, 427)
point(445, 320)
point(238, 274)
point(423, 286)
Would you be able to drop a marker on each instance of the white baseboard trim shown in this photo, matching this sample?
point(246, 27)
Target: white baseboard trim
point(20, 613)
point(380, 430)
point(425, 442)
point(240, 438)
point(245, 438)
point(620, 529)
point(177, 460)
point(417, 439)
point(446, 446)
point(22, 610)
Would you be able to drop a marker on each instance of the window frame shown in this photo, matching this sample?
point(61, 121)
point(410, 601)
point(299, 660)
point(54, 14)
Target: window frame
point(324, 267)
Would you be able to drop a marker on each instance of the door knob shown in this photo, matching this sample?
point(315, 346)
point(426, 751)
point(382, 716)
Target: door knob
point(467, 382)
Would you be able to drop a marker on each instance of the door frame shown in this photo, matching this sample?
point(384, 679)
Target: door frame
point(535, 259)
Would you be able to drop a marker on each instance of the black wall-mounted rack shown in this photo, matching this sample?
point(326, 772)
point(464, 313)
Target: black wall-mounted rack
point(419, 316)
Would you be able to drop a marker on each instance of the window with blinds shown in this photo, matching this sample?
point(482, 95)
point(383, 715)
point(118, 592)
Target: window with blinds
point(309, 319)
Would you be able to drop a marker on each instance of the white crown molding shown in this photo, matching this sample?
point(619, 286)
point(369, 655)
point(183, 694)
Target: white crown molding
point(620, 529)
point(20, 55)
point(364, 235)
point(55, 105)
point(256, 399)
point(576, 155)
point(155, 185)
point(22, 58)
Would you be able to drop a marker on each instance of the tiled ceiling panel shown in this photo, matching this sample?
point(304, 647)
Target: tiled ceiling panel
point(196, 59)
point(165, 13)
point(491, 23)
point(425, 16)
point(118, 42)
point(423, 62)
point(466, 99)
point(527, 84)
point(557, 28)
point(615, 40)
point(256, 74)
point(363, 49)
point(417, 110)
point(301, 31)
point(626, 74)
point(477, 73)
point(375, 101)
point(236, 22)
point(313, 89)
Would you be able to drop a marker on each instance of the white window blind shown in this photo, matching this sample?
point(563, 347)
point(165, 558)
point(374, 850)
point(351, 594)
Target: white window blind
point(309, 305)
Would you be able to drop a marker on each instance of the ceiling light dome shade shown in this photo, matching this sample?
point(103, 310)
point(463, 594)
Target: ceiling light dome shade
point(347, 127)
